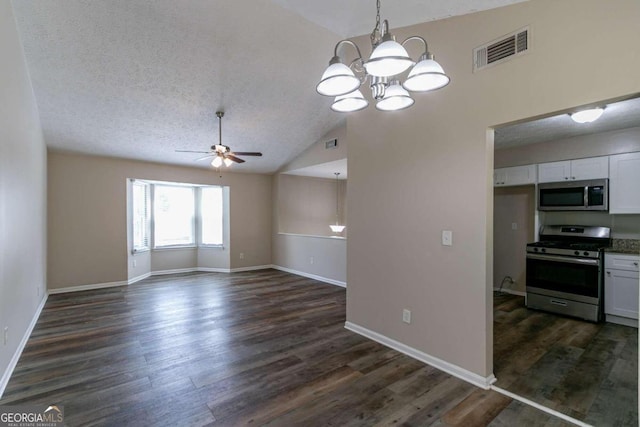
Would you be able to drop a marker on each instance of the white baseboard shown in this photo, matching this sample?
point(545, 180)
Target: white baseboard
point(173, 271)
point(191, 270)
point(540, 407)
point(16, 356)
point(618, 320)
point(251, 268)
point(80, 288)
point(510, 291)
point(456, 371)
point(311, 276)
point(139, 278)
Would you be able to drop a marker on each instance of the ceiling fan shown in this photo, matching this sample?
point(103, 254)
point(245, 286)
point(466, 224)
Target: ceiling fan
point(222, 153)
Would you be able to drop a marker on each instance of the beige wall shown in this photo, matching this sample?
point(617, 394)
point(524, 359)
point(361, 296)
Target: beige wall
point(87, 215)
point(308, 205)
point(512, 205)
point(399, 205)
point(22, 196)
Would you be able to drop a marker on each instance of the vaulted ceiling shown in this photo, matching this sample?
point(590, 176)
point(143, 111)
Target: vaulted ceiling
point(139, 78)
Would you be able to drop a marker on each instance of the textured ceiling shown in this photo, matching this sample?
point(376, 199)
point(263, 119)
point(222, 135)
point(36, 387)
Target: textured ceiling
point(140, 79)
point(618, 115)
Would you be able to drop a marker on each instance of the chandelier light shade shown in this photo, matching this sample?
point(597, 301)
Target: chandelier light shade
point(337, 228)
point(395, 98)
point(383, 70)
point(426, 75)
point(587, 116)
point(338, 79)
point(353, 101)
point(388, 59)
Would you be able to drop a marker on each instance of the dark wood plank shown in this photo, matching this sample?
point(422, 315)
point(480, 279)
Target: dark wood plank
point(253, 348)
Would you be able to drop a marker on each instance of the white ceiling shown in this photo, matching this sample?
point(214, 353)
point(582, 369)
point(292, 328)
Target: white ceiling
point(618, 115)
point(139, 78)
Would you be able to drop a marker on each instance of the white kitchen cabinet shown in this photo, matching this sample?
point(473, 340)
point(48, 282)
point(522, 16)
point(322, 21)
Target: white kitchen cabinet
point(621, 282)
point(517, 175)
point(579, 169)
point(624, 183)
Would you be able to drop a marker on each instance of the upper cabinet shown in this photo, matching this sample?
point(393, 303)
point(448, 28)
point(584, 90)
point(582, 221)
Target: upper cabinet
point(517, 175)
point(589, 168)
point(624, 183)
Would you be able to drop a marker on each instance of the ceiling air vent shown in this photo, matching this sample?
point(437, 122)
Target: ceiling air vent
point(501, 50)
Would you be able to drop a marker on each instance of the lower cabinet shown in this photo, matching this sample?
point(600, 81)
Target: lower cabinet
point(621, 282)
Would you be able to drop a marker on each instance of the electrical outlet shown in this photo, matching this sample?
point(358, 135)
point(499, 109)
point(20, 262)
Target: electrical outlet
point(311, 260)
point(135, 263)
point(241, 255)
point(6, 335)
point(514, 225)
point(406, 315)
point(37, 291)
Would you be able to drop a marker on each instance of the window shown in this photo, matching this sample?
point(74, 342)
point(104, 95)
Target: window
point(169, 215)
point(211, 216)
point(141, 211)
point(173, 216)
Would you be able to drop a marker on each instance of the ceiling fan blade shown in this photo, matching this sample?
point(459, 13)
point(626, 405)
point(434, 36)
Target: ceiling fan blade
point(247, 153)
point(204, 157)
point(191, 151)
point(234, 158)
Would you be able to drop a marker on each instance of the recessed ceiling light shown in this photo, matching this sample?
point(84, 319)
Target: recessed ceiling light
point(587, 116)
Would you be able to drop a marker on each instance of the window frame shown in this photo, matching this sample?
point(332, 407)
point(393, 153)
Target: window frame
point(194, 242)
point(199, 215)
point(147, 220)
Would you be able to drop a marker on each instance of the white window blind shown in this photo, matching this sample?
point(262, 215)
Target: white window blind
point(211, 201)
point(173, 216)
point(141, 212)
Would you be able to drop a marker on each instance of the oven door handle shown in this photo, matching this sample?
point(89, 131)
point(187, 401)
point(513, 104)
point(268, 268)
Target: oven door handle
point(570, 260)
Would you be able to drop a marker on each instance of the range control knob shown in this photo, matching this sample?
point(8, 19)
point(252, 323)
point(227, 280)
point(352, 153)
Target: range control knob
point(535, 249)
point(576, 253)
point(585, 253)
point(543, 250)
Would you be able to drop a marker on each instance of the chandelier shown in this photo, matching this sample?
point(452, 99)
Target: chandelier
point(388, 60)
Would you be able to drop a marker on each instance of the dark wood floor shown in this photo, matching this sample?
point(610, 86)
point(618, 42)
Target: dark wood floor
point(247, 348)
point(585, 370)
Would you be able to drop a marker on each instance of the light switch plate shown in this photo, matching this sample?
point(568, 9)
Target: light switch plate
point(447, 237)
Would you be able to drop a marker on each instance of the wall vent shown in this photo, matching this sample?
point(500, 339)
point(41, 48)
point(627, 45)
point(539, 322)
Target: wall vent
point(502, 49)
point(331, 144)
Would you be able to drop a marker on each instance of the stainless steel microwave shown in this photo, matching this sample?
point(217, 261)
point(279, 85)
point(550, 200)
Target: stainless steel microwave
point(589, 195)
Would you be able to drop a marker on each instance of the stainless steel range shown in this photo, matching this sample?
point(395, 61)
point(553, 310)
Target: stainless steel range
point(565, 270)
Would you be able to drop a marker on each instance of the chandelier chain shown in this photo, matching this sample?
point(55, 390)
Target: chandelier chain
point(375, 34)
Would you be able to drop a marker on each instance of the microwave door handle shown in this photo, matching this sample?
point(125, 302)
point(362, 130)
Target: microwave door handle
point(581, 261)
point(586, 196)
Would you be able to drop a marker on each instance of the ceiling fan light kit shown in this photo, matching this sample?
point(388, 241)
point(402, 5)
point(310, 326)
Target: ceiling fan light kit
point(222, 154)
point(388, 60)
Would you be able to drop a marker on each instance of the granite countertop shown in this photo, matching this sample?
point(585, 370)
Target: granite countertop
point(625, 246)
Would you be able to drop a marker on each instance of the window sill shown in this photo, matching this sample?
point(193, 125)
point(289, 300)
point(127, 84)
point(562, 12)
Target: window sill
point(173, 248)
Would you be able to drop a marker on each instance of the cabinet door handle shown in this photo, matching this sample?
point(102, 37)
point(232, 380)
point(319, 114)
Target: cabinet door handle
point(608, 273)
point(635, 263)
point(566, 177)
point(573, 177)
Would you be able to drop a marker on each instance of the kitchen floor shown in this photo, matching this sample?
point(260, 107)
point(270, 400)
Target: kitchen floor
point(585, 370)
